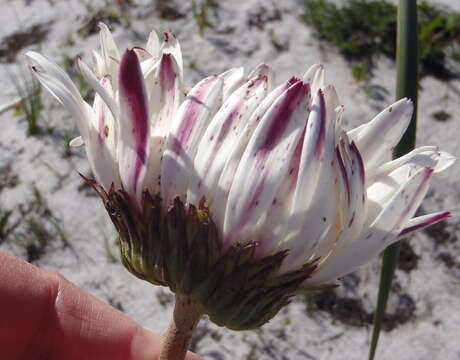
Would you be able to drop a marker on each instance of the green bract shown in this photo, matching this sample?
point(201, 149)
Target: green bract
point(181, 249)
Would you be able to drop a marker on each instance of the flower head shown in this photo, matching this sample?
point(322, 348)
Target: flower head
point(238, 193)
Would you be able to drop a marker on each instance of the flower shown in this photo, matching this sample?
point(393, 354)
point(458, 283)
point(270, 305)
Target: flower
point(241, 194)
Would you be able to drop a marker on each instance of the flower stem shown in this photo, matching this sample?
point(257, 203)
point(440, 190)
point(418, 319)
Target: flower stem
point(177, 339)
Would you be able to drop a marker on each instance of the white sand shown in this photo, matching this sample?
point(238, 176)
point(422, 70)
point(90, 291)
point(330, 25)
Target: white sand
point(432, 333)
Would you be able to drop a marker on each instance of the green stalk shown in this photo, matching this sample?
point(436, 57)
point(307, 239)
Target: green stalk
point(407, 83)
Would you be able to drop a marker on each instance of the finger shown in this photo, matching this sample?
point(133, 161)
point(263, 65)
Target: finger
point(42, 315)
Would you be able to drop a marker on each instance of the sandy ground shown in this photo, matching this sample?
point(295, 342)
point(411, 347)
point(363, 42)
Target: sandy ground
point(424, 309)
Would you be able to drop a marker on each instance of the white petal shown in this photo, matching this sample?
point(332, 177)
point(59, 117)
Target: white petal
point(311, 72)
point(221, 136)
point(264, 163)
point(338, 123)
point(107, 96)
point(102, 143)
point(317, 81)
point(44, 65)
point(444, 162)
point(233, 79)
point(153, 44)
point(380, 135)
point(427, 156)
point(142, 54)
point(261, 70)
point(354, 215)
point(164, 99)
point(98, 64)
point(274, 228)
point(165, 96)
point(383, 231)
point(233, 158)
point(188, 127)
point(110, 54)
point(57, 82)
point(314, 206)
point(386, 181)
point(77, 142)
point(312, 154)
point(353, 207)
point(149, 67)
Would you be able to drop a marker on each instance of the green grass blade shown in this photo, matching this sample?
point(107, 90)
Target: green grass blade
point(407, 83)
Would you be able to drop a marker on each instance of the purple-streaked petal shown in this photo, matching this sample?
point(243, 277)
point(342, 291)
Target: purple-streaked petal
point(264, 163)
point(382, 232)
point(165, 96)
point(188, 127)
point(261, 70)
point(133, 146)
point(339, 120)
point(354, 209)
point(386, 181)
point(221, 137)
point(279, 211)
point(421, 222)
point(313, 212)
point(171, 46)
point(233, 158)
point(312, 153)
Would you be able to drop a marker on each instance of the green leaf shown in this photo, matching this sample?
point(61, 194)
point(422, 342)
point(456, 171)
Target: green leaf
point(407, 81)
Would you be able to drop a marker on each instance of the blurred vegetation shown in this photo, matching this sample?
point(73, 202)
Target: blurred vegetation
point(365, 29)
point(113, 13)
point(201, 10)
point(32, 227)
point(29, 91)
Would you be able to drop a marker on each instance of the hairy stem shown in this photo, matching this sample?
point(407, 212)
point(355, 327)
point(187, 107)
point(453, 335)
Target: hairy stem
point(177, 339)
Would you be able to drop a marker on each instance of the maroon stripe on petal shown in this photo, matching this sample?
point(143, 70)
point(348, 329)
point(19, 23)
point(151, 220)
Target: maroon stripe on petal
point(260, 70)
point(254, 200)
point(292, 80)
point(295, 163)
point(319, 147)
point(132, 94)
point(354, 149)
point(194, 104)
point(430, 221)
point(167, 74)
point(294, 95)
point(228, 123)
point(343, 172)
point(427, 174)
